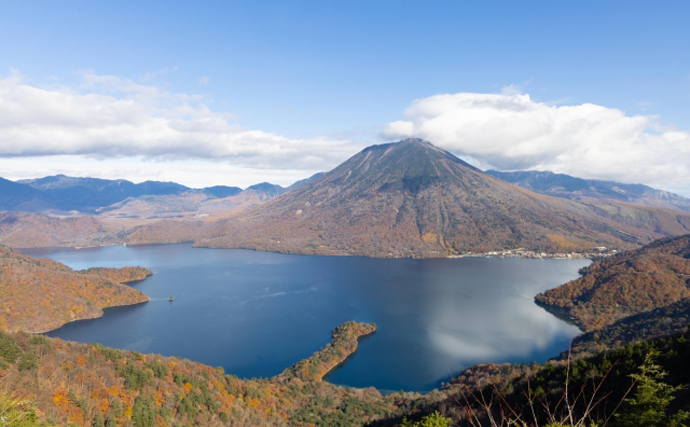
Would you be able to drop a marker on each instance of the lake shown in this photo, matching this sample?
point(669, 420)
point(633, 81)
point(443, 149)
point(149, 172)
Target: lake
point(256, 313)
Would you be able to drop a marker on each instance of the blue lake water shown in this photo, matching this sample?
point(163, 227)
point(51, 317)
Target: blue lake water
point(256, 313)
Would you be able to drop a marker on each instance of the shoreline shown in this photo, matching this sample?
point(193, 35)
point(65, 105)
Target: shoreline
point(524, 253)
point(102, 313)
point(344, 343)
point(101, 310)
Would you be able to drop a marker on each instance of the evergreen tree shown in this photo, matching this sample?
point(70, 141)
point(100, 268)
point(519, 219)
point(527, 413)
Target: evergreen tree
point(647, 406)
point(110, 421)
point(435, 419)
point(98, 420)
point(143, 412)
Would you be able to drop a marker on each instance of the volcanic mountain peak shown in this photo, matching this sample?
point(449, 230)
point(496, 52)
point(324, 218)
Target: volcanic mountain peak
point(408, 166)
point(411, 198)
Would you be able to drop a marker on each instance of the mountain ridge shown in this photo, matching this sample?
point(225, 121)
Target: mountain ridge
point(561, 185)
point(90, 195)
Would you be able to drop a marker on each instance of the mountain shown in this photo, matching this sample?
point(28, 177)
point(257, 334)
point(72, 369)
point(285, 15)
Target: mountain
point(41, 294)
point(29, 230)
point(16, 194)
point(222, 191)
point(87, 194)
point(628, 283)
point(560, 185)
point(301, 182)
point(413, 199)
point(267, 190)
point(90, 195)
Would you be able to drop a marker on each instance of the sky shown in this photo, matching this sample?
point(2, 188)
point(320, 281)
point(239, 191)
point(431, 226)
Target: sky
point(238, 92)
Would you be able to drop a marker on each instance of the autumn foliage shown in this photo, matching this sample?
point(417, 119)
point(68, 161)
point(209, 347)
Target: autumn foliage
point(38, 294)
point(629, 283)
point(85, 385)
point(344, 344)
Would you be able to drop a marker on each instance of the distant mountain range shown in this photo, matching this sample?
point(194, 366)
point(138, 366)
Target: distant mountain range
point(64, 193)
point(413, 199)
point(88, 195)
point(560, 185)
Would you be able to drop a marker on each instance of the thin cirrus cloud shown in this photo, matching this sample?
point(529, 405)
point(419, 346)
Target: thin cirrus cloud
point(111, 117)
point(510, 131)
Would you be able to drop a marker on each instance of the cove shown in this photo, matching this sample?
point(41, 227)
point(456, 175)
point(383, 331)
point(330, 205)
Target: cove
point(256, 313)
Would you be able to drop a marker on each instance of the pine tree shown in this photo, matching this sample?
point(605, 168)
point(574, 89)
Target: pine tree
point(143, 413)
point(110, 421)
point(98, 420)
point(647, 406)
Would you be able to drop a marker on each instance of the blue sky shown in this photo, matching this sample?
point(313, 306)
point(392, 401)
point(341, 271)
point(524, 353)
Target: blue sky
point(344, 71)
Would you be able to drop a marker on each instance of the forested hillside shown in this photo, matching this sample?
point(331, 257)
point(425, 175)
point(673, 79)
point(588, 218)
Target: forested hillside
point(38, 294)
point(632, 282)
point(644, 384)
point(662, 321)
point(90, 385)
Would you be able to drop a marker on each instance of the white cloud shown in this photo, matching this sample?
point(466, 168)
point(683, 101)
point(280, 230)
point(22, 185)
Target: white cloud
point(204, 81)
point(510, 131)
point(111, 117)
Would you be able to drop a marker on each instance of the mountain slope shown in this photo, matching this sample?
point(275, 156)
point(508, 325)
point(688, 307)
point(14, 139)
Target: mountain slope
point(16, 194)
point(41, 294)
point(29, 230)
point(672, 319)
point(221, 191)
point(632, 282)
point(88, 194)
point(560, 185)
point(413, 199)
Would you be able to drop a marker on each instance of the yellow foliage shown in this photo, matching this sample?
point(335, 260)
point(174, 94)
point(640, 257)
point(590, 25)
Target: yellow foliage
point(430, 238)
point(253, 402)
point(58, 397)
point(561, 241)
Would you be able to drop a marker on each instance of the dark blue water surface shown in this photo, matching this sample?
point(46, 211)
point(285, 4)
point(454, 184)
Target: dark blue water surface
point(256, 313)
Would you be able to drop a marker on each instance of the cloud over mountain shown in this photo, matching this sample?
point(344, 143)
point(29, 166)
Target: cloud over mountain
point(511, 131)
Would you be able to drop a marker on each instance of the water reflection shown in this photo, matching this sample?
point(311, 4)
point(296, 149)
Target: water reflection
point(255, 313)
